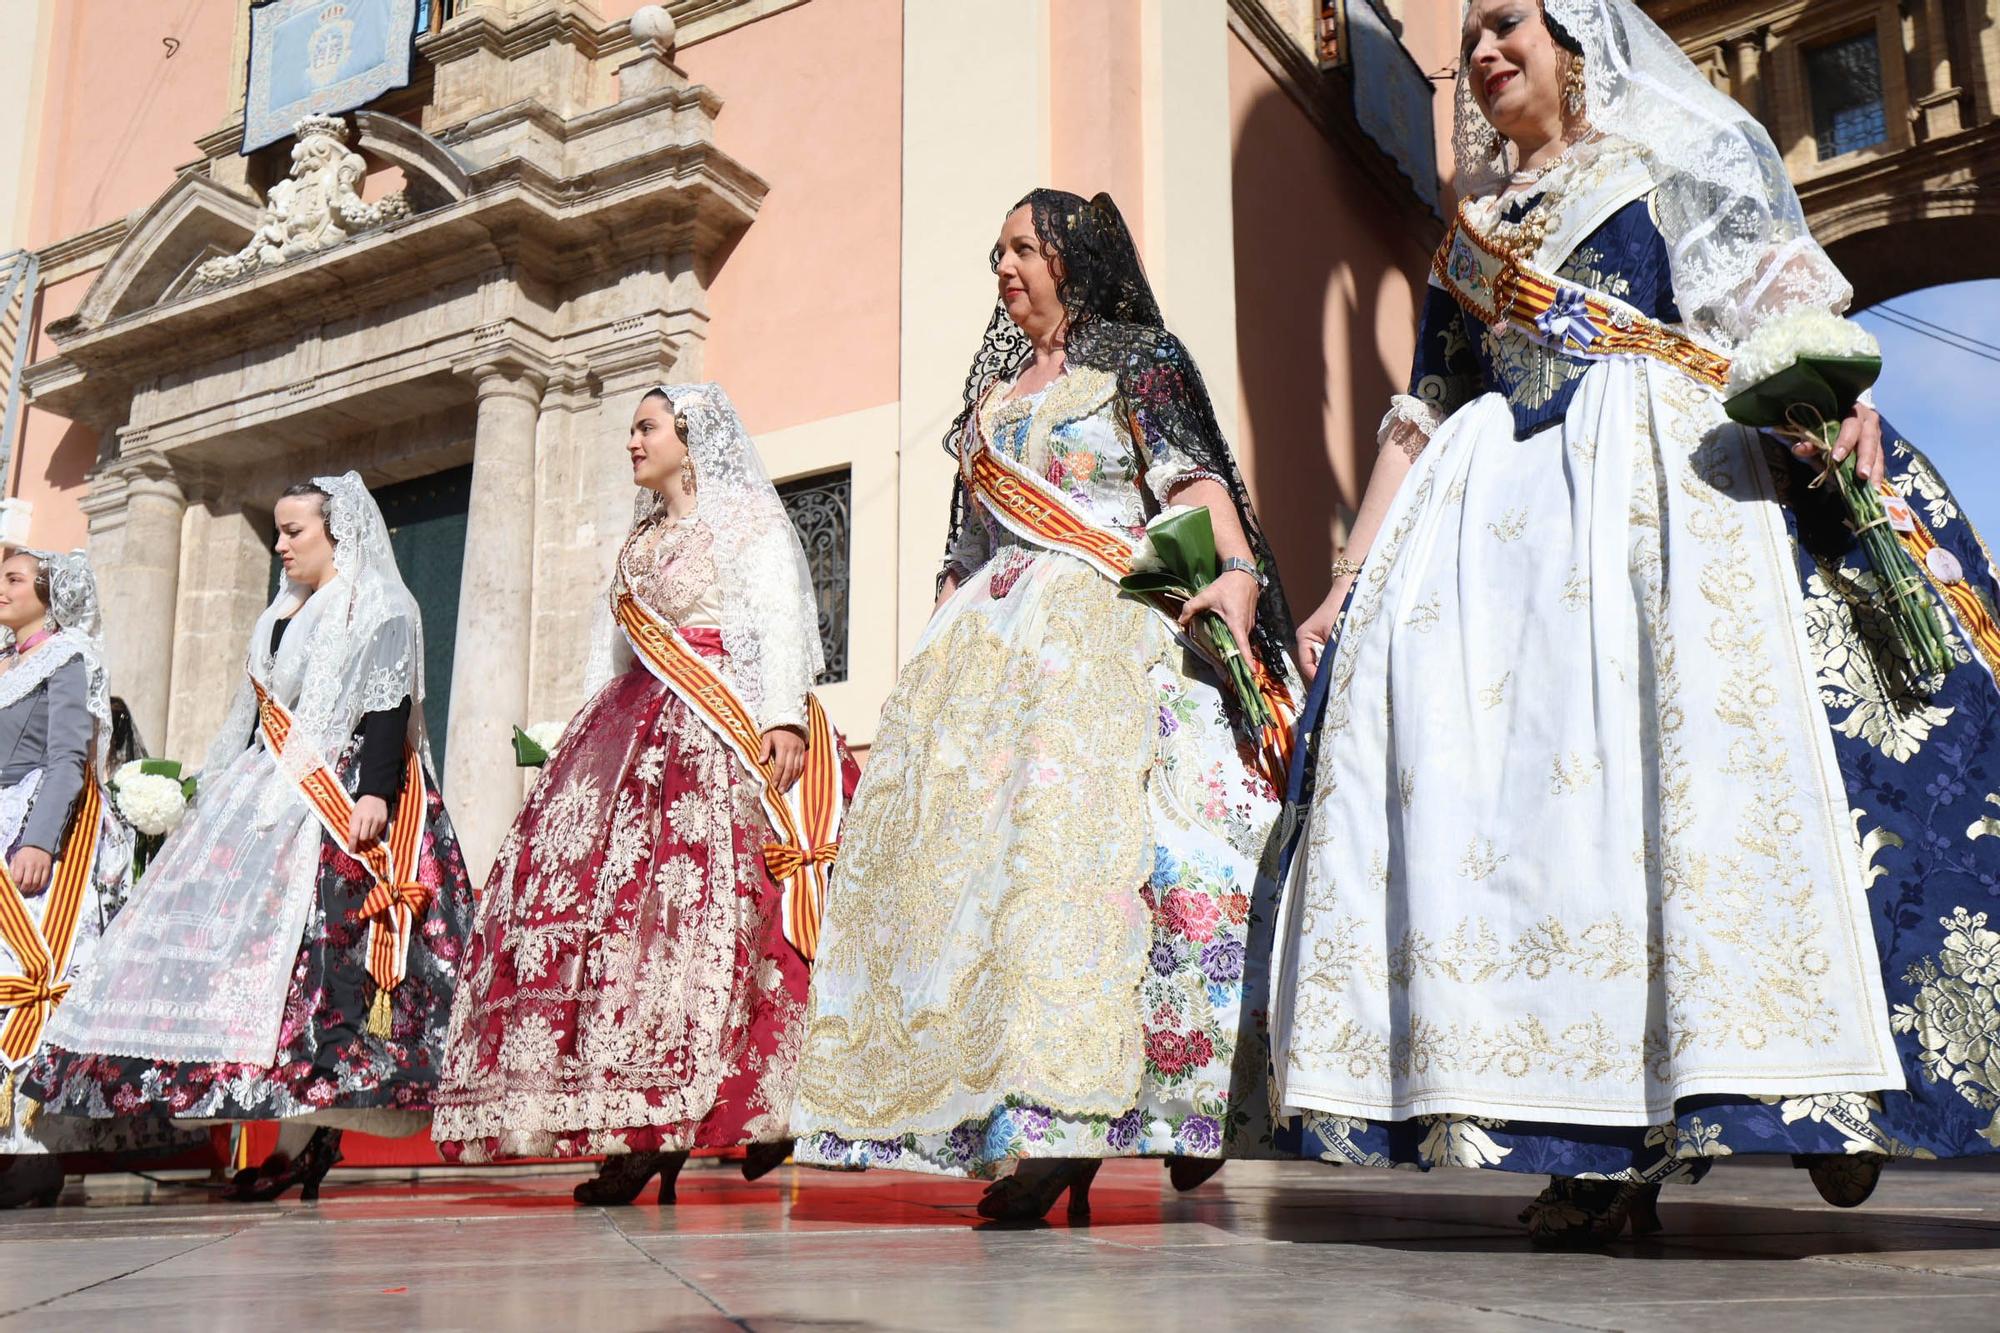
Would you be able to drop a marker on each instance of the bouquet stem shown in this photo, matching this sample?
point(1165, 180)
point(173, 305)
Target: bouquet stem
point(1912, 618)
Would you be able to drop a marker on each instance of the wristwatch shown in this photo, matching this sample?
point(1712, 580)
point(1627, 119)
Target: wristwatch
point(1233, 565)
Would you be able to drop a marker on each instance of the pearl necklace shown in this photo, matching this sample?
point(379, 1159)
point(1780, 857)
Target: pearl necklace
point(1530, 177)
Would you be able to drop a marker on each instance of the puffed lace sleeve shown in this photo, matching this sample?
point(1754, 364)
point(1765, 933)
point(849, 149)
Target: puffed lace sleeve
point(610, 655)
point(1444, 377)
point(779, 648)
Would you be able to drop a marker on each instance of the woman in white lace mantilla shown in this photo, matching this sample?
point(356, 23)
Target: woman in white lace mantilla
point(633, 991)
point(65, 876)
point(1614, 864)
point(249, 979)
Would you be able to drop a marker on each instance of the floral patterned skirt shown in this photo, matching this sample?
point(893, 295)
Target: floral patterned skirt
point(1922, 772)
point(1045, 925)
point(330, 1067)
point(631, 986)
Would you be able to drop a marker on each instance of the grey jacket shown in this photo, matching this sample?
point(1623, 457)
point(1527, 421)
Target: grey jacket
point(50, 730)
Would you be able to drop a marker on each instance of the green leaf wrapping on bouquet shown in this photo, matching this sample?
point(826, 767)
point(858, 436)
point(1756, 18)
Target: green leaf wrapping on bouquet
point(1183, 561)
point(1156, 583)
point(528, 753)
point(165, 768)
point(1185, 543)
point(1830, 385)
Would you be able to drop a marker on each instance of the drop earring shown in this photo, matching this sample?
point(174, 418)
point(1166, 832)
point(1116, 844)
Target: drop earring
point(1575, 88)
point(687, 475)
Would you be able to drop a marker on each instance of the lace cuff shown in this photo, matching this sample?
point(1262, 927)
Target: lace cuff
point(1165, 481)
point(1409, 425)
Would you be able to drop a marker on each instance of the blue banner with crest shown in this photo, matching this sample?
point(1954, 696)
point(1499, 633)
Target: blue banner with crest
point(322, 58)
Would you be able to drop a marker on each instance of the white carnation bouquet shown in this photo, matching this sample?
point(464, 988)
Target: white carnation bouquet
point(152, 796)
point(533, 745)
point(1799, 376)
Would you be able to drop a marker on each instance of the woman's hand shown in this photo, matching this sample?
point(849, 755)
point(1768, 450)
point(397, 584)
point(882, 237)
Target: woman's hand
point(1233, 596)
point(1861, 431)
point(1318, 629)
point(785, 755)
point(365, 825)
point(30, 868)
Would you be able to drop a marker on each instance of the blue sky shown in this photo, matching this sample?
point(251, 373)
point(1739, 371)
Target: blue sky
point(1945, 401)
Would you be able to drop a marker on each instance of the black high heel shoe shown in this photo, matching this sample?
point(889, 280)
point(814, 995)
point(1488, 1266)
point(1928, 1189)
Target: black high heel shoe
point(1189, 1173)
point(1028, 1194)
point(307, 1170)
point(761, 1159)
point(622, 1178)
point(31, 1180)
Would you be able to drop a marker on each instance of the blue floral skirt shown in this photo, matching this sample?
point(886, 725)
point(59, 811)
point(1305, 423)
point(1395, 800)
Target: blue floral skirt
point(1922, 770)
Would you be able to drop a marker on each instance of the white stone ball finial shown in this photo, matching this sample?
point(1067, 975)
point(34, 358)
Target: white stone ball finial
point(653, 24)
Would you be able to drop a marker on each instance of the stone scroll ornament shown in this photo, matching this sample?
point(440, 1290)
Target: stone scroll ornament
point(316, 208)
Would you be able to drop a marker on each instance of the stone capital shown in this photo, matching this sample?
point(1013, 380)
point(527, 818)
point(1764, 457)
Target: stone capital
point(506, 370)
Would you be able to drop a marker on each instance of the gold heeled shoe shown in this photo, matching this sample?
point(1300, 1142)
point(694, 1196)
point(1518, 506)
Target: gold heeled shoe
point(1574, 1214)
point(1845, 1180)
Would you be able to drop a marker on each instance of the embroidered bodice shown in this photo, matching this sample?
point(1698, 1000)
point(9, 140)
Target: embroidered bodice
point(1075, 435)
point(669, 564)
point(1600, 234)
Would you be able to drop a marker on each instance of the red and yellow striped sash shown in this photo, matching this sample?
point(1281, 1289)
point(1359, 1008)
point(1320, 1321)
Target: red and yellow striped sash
point(32, 995)
point(807, 818)
point(398, 900)
point(1036, 512)
point(1496, 288)
point(1968, 607)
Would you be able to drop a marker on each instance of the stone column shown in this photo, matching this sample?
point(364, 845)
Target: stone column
point(1748, 51)
point(1936, 109)
point(135, 541)
point(225, 582)
point(489, 677)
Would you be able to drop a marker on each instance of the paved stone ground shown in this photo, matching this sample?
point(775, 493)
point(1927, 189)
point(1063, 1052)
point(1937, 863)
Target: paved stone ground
point(1263, 1246)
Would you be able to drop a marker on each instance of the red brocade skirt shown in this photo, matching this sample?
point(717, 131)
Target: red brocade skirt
point(628, 986)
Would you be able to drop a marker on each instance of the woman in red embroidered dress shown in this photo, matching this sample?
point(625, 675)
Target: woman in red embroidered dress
point(632, 991)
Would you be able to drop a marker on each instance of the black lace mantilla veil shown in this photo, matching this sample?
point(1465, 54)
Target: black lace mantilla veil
point(1115, 326)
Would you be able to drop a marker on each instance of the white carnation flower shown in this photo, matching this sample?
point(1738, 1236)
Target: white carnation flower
point(546, 734)
point(150, 802)
point(1779, 342)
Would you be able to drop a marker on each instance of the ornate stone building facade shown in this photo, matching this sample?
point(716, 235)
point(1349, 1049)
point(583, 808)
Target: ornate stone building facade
point(1886, 113)
point(462, 289)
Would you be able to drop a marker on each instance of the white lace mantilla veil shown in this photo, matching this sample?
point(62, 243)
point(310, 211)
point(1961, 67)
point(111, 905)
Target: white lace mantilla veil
point(1734, 228)
point(75, 614)
point(770, 621)
point(196, 968)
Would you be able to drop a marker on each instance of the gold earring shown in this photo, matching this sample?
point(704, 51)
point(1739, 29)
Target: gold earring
point(687, 475)
point(1575, 87)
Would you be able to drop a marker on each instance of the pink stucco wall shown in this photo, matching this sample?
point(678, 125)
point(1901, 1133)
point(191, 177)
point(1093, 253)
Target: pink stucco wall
point(54, 454)
point(805, 308)
point(122, 114)
point(1097, 138)
point(1326, 306)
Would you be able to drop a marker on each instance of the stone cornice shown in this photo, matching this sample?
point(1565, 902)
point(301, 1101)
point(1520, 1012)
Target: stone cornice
point(86, 250)
point(699, 20)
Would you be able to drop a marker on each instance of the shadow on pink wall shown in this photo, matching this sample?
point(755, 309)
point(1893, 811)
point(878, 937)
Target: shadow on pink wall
point(1326, 281)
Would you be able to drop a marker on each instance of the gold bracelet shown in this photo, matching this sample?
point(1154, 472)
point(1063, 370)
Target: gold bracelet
point(1344, 568)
